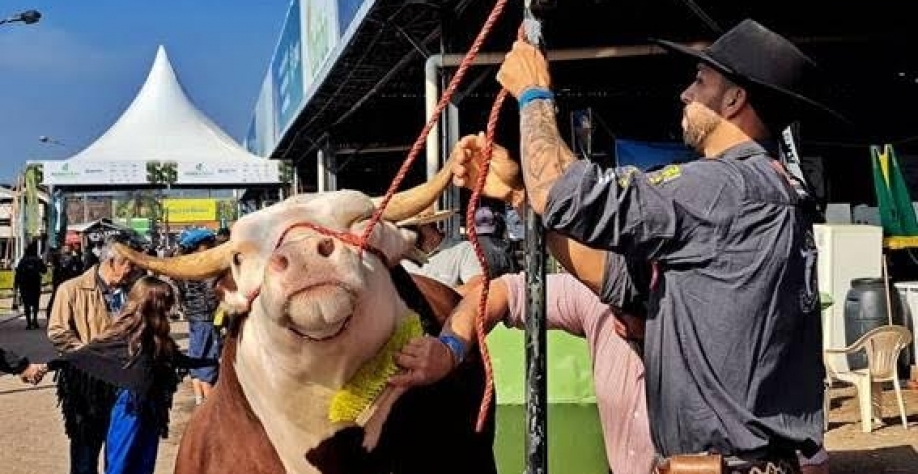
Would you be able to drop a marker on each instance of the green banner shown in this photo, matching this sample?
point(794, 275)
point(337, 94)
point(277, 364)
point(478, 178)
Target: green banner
point(893, 200)
point(32, 206)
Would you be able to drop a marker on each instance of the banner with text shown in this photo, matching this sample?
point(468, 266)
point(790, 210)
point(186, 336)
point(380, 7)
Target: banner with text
point(189, 210)
point(63, 173)
point(92, 173)
point(287, 68)
point(314, 35)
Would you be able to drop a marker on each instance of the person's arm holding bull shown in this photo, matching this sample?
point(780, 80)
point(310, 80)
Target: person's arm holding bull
point(503, 182)
point(427, 360)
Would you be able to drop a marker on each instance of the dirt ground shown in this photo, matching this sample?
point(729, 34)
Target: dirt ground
point(32, 439)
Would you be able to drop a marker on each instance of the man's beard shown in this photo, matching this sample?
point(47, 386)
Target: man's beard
point(699, 122)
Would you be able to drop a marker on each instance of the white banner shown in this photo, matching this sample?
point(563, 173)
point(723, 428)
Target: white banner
point(76, 173)
point(258, 172)
point(63, 173)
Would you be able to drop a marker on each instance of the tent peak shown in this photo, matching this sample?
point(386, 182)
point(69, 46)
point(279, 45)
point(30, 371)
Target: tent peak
point(163, 124)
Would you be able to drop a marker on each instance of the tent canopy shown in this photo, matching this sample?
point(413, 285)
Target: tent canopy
point(99, 230)
point(162, 138)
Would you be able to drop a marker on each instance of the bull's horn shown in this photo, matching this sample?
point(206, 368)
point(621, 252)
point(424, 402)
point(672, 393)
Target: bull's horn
point(412, 201)
point(195, 266)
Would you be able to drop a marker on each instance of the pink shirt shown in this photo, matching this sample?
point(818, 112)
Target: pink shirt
point(618, 373)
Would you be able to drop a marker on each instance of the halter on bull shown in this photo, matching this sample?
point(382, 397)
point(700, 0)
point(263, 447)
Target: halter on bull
point(313, 312)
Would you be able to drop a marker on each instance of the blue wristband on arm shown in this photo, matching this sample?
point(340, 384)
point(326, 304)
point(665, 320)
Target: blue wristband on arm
point(455, 346)
point(534, 93)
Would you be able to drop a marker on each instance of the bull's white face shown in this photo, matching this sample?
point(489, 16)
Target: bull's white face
point(323, 308)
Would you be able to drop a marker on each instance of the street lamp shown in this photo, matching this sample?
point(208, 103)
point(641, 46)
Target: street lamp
point(28, 17)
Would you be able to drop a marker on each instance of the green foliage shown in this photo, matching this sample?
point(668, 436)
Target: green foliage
point(286, 170)
point(162, 173)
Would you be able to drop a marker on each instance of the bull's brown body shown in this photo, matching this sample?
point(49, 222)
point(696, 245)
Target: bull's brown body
point(317, 308)
point(430, 429)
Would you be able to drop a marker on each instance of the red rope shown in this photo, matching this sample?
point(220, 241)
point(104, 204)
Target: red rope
point(473, 204)
point(444, 100)
point(480, 332)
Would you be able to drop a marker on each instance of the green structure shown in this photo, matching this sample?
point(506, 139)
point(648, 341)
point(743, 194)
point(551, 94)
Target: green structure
point(893, 200)
point(575, 442)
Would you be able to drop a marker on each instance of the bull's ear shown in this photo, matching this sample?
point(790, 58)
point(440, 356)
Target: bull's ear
point(397, 244)
point(416, 255)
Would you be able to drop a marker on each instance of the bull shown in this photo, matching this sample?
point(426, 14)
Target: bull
point(316, 313)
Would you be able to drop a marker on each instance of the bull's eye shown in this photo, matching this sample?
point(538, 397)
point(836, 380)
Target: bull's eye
point(237, 258)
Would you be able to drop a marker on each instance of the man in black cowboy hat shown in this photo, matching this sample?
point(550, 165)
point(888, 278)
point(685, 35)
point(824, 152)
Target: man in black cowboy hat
point(733, 337)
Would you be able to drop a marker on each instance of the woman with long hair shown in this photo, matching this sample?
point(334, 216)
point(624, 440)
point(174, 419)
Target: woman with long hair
point(131, 370)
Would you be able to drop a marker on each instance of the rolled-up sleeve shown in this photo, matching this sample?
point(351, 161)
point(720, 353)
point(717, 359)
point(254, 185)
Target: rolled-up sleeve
point(625, 210)
point(625, 283)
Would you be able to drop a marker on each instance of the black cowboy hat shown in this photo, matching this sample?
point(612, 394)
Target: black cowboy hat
point(752, 55)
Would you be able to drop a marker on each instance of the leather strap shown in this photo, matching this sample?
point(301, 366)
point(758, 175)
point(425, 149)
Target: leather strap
point(692, 464)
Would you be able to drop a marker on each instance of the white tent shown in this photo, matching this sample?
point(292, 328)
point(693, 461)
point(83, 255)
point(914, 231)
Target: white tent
point(162, 138)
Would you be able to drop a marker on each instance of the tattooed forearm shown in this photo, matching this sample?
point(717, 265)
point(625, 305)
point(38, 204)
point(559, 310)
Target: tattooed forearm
point(545, 155)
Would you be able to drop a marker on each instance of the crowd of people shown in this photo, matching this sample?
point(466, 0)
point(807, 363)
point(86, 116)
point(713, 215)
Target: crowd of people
point(118, 364)
point(694, 285)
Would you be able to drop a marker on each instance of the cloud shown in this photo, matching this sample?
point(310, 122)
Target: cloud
point(51, 53)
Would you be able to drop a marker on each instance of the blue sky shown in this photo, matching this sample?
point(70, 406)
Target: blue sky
point(72, 74)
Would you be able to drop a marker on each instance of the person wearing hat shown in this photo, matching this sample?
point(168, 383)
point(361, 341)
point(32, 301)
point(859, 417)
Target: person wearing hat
point(450, 261)
point(733, 337)
point(199, 303)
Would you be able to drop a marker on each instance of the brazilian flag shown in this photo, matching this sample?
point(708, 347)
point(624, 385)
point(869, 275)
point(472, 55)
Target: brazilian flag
point(896, 212)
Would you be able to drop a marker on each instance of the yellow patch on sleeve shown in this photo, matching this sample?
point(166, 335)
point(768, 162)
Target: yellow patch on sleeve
point(624, 176)
point(668, 173)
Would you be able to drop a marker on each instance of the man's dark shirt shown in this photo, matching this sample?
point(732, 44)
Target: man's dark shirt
point(733, 338)
point(498, 254)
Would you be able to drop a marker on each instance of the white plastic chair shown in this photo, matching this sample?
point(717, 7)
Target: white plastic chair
point(882, 346)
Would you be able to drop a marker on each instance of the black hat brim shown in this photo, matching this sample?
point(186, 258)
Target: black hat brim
point(704, 57)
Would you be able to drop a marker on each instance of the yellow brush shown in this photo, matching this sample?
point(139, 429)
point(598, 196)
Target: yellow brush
point(372, 377)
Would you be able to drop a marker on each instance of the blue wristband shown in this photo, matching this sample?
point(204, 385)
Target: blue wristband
point(534, 93)
point(455, 346)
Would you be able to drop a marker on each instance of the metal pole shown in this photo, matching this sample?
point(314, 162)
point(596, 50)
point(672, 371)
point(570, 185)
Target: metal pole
point(536, 344)
point(536, 350)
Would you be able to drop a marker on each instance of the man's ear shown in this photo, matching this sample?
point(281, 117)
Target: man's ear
point(734, 99)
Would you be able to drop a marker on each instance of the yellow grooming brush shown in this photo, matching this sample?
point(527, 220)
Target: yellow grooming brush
point(370, 380)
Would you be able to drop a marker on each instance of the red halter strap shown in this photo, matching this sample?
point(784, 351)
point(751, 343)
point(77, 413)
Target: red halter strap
point(346, 237)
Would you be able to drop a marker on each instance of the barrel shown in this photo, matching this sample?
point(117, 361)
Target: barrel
point(866, 309)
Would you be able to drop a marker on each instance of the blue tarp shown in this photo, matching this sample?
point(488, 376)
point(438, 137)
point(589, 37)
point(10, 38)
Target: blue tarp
point(646, 155)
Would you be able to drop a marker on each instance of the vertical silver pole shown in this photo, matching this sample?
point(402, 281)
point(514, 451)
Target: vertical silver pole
point(536, 350)
point(536, 346)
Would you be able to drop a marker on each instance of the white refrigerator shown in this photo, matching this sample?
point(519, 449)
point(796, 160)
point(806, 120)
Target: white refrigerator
point(846, 252)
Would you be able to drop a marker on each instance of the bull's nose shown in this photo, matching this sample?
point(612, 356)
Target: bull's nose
point(294, 254)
